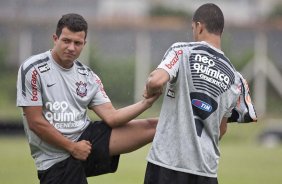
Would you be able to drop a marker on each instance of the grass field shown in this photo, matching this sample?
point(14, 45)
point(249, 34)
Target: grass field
point(243, 161)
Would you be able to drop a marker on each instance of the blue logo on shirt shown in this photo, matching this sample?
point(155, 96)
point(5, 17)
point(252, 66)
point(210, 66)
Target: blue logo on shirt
point(202, 105)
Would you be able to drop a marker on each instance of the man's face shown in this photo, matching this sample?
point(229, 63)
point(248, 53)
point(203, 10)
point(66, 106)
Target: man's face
point(68, 46)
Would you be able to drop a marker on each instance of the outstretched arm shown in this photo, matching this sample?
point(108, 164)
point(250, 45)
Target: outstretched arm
point(155, 82)
point(118, 117)
point(43, 129)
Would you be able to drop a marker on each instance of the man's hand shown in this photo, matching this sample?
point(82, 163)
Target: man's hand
point(152, 94)
point(151, 98)
point(155, 83)
point(80, 150)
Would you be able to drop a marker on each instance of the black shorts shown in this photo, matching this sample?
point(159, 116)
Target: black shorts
point(98, 162)
point(160, 175)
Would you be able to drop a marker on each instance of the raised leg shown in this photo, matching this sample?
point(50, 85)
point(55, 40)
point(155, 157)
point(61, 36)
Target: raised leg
point(132, 136)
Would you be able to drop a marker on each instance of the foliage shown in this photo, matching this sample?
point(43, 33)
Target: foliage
point(276, 11)
point(8, 86)
point(8, 109)
point(117, 77)
point(239, 60)
point(3, 63)
point(165, 11)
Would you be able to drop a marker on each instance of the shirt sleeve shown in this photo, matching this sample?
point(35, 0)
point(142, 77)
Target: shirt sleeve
point(244, 111)
point(228, 114)
point(28, 87)
point(100, 96)
point(171, 60)
point(234, 95)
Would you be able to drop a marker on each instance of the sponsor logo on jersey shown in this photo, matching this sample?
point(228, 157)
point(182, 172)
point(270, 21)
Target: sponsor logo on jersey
point(43, 68)
point(202, 105)
point(34, 88)
point(204, 66)
point(171, 93)
point(82, 71)
point(101, 87)
point(81, 89)
point(175, 59)
point(50, 85)
point(61, 115)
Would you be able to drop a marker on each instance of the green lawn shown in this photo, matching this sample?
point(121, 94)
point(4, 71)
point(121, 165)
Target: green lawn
point(243, 161)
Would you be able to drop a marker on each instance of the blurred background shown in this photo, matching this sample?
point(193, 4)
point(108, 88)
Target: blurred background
point(126, 41)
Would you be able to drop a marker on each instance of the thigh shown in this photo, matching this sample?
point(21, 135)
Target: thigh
point(132, 136)
point(99, 161)
point(65, 172)
point(160, 175)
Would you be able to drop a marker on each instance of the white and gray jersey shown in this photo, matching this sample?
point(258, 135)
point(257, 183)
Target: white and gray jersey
point(203, 88)
point(64, 94)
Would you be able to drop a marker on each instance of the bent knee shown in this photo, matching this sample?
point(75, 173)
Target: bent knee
point(152, 122)
point(151, 125)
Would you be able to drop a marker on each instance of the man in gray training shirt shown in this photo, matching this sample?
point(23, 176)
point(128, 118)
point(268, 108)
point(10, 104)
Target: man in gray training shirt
point(202, 89)
point(55, 90)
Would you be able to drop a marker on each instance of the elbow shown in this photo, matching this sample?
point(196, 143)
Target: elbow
point(223, 130)
point(157, 79)
point(111, 122)
point(31, 127)
point(35, 126)
point(153, 83)
point(31, 124)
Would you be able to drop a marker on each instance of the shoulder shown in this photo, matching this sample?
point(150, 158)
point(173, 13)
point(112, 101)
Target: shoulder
point(83, 69)
point(175, 48)
point(38, 61)
point(184, 46)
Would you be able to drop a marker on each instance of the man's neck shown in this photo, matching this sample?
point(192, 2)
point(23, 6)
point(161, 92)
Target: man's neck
point(214, 40)
point(60, 62)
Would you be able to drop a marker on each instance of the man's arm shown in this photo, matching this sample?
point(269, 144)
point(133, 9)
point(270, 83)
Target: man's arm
point(223, 127)
point(43, 129)
point(155, 82)
point(118, 117)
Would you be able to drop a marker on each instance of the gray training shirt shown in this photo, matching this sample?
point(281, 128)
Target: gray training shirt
point(64, 94)
point(203, 88)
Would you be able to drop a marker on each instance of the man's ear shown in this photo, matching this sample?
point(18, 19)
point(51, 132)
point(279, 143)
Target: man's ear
point(200, 27)
point(55, 37)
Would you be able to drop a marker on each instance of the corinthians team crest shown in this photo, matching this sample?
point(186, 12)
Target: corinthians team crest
point(81, 89)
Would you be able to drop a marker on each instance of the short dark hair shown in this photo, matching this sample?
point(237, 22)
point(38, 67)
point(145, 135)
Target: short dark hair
point(74, 22)
point(211, 16)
